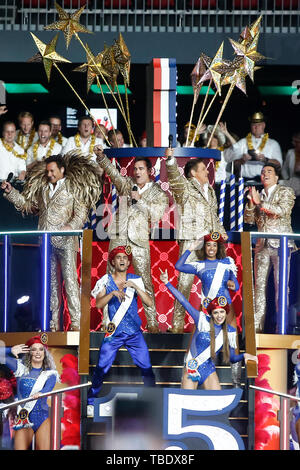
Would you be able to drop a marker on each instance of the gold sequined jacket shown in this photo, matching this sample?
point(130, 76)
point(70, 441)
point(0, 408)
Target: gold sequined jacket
point(133, 222)
point(196, 214)
point(280, 203)
point(54, 213)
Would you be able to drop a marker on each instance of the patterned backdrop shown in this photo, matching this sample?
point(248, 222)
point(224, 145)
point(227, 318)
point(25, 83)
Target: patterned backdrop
point(164, 253)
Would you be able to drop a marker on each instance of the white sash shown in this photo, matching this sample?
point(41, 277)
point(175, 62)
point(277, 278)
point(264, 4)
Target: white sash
point(217, 281)
point(205, 355)
point(120, 313)
point(39, 383)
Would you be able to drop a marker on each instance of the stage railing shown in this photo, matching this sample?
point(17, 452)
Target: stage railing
point(283, 252)
point(85, 286)
point(248, 303)
point(247, 239)
point(211, 16)
point(283, 414)
point(55, 410)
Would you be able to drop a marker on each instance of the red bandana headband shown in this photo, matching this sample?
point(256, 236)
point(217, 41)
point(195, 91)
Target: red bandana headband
point(39, 339)
point(214, 237)
point(126, 250)
point(218, 302)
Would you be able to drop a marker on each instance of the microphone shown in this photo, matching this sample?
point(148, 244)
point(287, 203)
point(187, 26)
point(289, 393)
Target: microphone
point(10, 177)
point(134, 188)
point(170, 140)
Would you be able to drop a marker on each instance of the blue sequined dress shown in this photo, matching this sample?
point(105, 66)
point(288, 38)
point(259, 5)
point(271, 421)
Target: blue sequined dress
point(205, 270)
point(201, 340)
point(25, 383)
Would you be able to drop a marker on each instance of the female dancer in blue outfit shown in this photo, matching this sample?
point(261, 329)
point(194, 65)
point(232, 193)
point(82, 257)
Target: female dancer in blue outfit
point(216, 271)
point(36, 374)
point(212, 335)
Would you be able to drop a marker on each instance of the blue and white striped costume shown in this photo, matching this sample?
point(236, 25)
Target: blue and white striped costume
point(128, 333)
point(200, 345)
point(30, 382)
point(214, 275)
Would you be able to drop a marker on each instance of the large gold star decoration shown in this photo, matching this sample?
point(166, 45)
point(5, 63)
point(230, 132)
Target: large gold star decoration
point(249, 54)
point(68, 23)
point(93, 67)
point(47, 54)
point(198, 72)
point(122, 57)
point(110, 65)
point(236, 75)
point(212, 71)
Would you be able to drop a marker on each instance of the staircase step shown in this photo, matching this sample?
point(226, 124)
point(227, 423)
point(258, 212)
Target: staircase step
point(167, 353)
point(159, 341)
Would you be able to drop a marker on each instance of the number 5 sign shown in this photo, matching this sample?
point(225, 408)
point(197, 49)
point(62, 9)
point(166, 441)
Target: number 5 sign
point(200, 418)
point(179, 419)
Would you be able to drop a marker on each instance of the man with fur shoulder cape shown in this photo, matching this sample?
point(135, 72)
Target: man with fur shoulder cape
point(61, 191)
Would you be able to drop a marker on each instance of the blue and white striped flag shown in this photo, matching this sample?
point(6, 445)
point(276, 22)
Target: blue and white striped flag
point(114, 196)
point(232, 202)
point(241, 205)
point(222, 201)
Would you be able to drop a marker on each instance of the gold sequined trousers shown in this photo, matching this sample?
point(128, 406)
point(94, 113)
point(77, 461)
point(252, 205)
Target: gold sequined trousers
point(184, 285)
point(263, 262)
point(63, 268)
point(141, 262)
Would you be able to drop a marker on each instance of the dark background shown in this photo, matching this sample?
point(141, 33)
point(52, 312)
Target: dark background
point(282, 114)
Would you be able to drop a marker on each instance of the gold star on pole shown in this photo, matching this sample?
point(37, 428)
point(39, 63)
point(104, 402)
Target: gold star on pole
point(68, 23)
point(93, 67)
point(211, 72)
point(249, 54)
point(122, 57)
point(47, 54)
point(237, 77)
point(198, 72)
point(110, 66)
point(254, 27)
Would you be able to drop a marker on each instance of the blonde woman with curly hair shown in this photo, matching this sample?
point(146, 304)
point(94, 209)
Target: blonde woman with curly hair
point(36, 374)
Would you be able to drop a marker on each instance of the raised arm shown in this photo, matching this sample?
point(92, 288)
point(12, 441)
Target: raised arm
point(188, 307)
point(176, 181)
point(195, 314)
point(9, 356)
point(120, 182)
point(184, 267)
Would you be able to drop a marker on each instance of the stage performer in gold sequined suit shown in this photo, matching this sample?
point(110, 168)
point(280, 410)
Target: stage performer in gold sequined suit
point(142, 203)
point(197, 216)
point(271, 211)
point(61, 190)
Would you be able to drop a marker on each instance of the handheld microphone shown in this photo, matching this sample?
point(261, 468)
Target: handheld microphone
point(134, 188)
point(10, 177)
point(170, 140)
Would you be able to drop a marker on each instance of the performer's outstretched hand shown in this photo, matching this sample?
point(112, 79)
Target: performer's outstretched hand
point(98, 150)
point(169, 153)
point(230, 284)
point(19, 349)
point(196, 244)
point(6, 186)
point(164, 276)
point(250, 357)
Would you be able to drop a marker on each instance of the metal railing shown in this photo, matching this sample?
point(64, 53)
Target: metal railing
point(55, 416)
point(283, 414)
point(186, 16)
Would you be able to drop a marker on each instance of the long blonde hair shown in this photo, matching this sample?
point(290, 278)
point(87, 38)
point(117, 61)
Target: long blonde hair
point(225, 348)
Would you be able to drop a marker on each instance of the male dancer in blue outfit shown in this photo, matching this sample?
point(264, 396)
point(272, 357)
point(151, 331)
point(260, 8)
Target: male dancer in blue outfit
point(119, 291)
